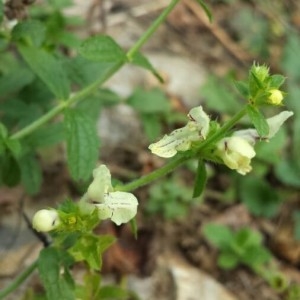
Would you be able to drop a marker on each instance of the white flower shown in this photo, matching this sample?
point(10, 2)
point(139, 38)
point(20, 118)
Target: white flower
point(120, 207)
point(45, 220)
point(236, 153)
point(181, 139)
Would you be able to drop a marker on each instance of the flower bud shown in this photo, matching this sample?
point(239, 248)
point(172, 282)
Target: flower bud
point(275, 97)
point(45, 220)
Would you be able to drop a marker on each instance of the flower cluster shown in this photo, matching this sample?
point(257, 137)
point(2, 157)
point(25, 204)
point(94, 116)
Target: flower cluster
point(235, 151)
point(120, 207)
point(263, 87)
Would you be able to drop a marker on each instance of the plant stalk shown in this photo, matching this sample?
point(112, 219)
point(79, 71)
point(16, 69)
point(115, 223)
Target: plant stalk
point(156, 174)
point(19, 280)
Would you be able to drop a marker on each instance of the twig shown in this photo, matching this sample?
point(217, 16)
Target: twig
point(235, 50)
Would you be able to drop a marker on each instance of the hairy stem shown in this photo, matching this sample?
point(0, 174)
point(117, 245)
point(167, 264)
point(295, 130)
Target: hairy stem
point(156, 174)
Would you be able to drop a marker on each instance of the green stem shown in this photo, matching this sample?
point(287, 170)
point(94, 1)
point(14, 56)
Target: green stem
point(176, 162)
point(95, 85)
point(147, 34)
point(169, 167)
point(19, 280)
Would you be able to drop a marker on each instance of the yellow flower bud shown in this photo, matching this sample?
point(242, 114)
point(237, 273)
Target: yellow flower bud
point(275, 97)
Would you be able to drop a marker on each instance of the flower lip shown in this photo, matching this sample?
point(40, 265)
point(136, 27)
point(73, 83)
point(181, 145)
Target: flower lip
point(182, 138)
point(120, 207)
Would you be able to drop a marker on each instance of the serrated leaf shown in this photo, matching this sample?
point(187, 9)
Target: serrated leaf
point(142, 61)
point(102, 48)
point(83, 72)
point(82, 144)
point(47, 136)
point(30, 32)
point(206, 9)
point(31, 174)
point(15, 80)
point(200, 180)
point(57, 286)
point(148, 102)
point(258, 121)
point(48, 68)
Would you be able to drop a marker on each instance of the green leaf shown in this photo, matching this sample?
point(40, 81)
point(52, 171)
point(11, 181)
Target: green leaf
point(47, 136)
point(290, 62)
point(102, 48)
point(243, 88)
point(29, 32)
point(14, 147)
point(228, 260)
point(246, 237)
point(15, 80)
point(82, 144)
point(272, 151)
point(219, 97)
point(256, 256)
point(288, 172)
point(10, 171)
point(57, 286)
point(276, 81)
point(142, 61)
point(296, 138)
point(260, 198)
point(31, 174)
point(48, 68)
point(258, 121)
point(219, 235)
point(200, 180)
point(83, 72)
point(255, 85)
point(152, 126)
point(90, 247)
point(150, 102)
point(206, 9)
